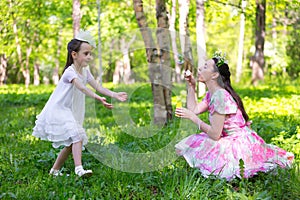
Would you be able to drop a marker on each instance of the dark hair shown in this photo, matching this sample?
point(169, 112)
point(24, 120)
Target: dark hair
point(225, 82)
point(73, 45)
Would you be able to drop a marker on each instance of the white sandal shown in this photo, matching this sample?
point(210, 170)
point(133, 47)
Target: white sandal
point(55, 172)
point(83, 173)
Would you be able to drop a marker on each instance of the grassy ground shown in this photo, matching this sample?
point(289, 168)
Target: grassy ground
point(25, 160)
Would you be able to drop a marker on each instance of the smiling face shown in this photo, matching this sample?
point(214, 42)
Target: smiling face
point(207, 72)
point(83, 56)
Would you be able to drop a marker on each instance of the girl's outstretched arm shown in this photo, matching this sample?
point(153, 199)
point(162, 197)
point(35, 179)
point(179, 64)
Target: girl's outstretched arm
point(80, 86)
point(121, 96)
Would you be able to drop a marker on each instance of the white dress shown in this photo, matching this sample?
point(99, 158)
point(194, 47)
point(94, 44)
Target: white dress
point(61, 120)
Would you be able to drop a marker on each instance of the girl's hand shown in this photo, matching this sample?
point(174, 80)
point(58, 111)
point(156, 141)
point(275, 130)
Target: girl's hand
point(121, 96)
point(103, 101)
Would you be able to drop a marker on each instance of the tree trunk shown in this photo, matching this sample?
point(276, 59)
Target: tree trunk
point(163, 40)
point(185, 42)
point(178, 62)
point(28, 53)
point(76, 16)
point(3, 66)
point(36, 74)
point(186, 47)
point(55, 75)
point(109, 71)
point(126, 60)
point(154, 61)
point(19, 51)
point(117, 72)
point(201, 46)
point(27, 71)
point(239, 67)
point(99, 44)
point(258, 61)
point(285, 28)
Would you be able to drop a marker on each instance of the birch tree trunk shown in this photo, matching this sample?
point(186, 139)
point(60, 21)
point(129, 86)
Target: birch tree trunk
point(154, 59)
point(117, 72)
point(76, 15)
point(178, 63)
point(36, 74)
point(28, 53)
point(201, 46)
point(126, 60)
point(18, 46)
point(185, 42)
point(3, 66)
point(55, 76)
point(258, 60)
point(25, 72)
point(163, 39)
point(239, 67)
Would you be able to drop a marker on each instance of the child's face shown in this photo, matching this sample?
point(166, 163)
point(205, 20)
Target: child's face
point(83, 56)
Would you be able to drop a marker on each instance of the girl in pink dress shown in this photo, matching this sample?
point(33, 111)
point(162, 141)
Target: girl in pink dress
point(61, 120)
point(228, 139)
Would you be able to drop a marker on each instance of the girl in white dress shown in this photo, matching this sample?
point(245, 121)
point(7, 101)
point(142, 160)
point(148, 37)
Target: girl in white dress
point(61, 120)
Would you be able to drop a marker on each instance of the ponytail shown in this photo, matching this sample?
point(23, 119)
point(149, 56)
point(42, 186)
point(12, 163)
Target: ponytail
point(73, 45)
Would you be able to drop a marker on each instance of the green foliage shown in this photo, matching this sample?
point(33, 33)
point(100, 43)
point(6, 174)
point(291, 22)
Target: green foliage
point(46, 27)
point(25, 160)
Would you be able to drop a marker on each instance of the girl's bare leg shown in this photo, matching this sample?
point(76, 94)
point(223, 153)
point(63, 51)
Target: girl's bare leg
point(77, 153)
point(62, 157)
point(77, 156)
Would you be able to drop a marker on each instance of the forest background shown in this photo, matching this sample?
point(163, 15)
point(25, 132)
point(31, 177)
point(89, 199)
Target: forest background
point(33, 53)
point(34, 35)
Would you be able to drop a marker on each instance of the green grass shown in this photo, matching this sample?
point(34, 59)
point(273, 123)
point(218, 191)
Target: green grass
point(25, 161)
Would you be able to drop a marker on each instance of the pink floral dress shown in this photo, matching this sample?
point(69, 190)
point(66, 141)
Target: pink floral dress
point(238, 142)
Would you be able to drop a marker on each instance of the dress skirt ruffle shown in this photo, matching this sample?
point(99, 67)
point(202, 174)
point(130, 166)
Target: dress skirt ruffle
point(222, 158)
point(60, 133)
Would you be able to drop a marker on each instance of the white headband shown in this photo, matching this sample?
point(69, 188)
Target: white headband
point(85, 36)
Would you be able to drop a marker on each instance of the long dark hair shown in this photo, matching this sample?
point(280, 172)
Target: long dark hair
point(73, 45)
point(224, 81)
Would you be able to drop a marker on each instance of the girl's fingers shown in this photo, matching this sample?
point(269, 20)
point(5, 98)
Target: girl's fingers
point(122, 96)
point(108, 105)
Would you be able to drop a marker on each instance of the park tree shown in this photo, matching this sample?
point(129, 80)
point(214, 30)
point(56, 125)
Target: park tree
point(158, 59)
point(201, 43)
point(239, 67)
point(283, 53)
point(172, 27)
point(186, 46)
point(76, 16)
point(258, 60)
point(3, 66)
point(33, 34)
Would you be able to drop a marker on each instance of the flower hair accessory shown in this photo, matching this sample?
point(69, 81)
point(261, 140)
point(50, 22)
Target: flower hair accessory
point(85, 36)
point(221, 58)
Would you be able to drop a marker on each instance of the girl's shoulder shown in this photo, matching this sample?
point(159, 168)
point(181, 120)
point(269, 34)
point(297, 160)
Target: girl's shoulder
point(70, 69)
point(69, 74)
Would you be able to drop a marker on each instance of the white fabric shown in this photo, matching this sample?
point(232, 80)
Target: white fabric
point(61, 120)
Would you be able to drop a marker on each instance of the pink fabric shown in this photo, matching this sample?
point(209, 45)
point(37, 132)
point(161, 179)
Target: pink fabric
point(238, 141)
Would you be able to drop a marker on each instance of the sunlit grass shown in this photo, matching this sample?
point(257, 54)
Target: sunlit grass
point(25, 160)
